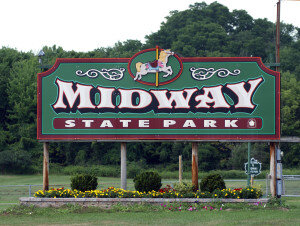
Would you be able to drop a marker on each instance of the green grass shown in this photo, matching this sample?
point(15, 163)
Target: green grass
point(12, 194)
point(157, 215)
point(137, 215)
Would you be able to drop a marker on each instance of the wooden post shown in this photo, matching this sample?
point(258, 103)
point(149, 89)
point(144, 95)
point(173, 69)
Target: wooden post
point(123, 166)
point(252, 180)
point(180, 168)
point(195, 165)
point(272, 170)
point(46, 167)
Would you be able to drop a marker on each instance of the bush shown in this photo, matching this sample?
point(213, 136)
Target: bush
point(184, 187)
point(84, 182)
point(147, 181)
point(212, 182)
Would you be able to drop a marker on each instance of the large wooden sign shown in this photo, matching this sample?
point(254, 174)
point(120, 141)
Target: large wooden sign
point(157, 95)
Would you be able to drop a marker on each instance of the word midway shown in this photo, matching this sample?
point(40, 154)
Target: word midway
point(236, 97)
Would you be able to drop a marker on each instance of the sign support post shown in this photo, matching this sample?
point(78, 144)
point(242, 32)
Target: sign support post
point(46, 167)
point(249, 154)
point(195, 165)
point(180, 168)
point(123, 166)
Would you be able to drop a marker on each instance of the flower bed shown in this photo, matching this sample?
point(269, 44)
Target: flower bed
point(109, 197)
point(111, 192)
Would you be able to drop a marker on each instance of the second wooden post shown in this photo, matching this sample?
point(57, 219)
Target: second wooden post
point(123, 166)
point(195, 166)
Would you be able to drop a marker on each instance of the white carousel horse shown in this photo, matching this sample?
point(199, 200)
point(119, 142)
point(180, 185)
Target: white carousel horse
point(155, 66)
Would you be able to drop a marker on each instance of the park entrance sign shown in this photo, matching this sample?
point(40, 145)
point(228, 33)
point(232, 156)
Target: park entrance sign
point(157, 95)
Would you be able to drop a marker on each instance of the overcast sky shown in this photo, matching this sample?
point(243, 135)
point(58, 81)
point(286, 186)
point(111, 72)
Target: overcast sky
point(84, 25)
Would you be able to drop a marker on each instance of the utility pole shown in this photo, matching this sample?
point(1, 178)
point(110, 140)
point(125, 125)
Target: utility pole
point(273, 163)
point(278, 36)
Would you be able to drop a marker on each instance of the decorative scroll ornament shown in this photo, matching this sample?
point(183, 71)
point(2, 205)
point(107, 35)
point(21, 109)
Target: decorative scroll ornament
point(109, 74)
point(204, 73)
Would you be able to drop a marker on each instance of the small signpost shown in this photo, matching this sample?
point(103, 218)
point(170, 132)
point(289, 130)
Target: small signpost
point(253, 169)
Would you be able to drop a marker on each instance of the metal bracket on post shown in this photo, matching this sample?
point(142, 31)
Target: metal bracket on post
point(272, 169)
point(279, 184)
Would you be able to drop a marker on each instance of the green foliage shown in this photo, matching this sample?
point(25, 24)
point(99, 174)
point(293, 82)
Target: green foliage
point(290, 100)
point(212, 182)
point(15, 161)
point(184, 187)
point(147, 181)
point(84, 182)
point(250, 193)
point(201, 30)
point(100, 171)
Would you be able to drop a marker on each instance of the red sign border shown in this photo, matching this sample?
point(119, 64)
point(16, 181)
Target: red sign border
point(158, 137)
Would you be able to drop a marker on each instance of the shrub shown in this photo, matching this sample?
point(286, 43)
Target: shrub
point(84, 182)
point(184, 187)
point(212, 182)
point(250, 193)
point(147, 181)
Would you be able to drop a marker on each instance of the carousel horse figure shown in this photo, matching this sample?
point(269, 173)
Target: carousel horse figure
point(155, 66)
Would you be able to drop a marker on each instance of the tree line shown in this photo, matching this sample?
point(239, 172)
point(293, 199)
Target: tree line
point(202, 30)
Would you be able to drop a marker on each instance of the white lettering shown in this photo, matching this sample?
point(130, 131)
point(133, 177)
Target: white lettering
point(244, 97)
point(106, 97)
point(145, 98)
point(125, 122)
point(65, 89)
point(230, 123)
point(189, 123)
point(176, 96)
point(168, 123)
point(87, 123)
point(70, 123)
point(210, 123)
point(143, 123)
point(106, 123)
point(216, 97)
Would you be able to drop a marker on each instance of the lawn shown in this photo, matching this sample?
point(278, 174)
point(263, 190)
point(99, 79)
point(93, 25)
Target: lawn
point(145, 215)
point(11, 194)
point(136, 215)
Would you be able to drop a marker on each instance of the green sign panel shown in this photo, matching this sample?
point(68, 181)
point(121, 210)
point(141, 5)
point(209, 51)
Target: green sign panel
point(157, 95)
point(255, 167)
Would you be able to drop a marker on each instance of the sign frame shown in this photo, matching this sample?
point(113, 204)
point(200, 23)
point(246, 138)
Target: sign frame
point(157, 137)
